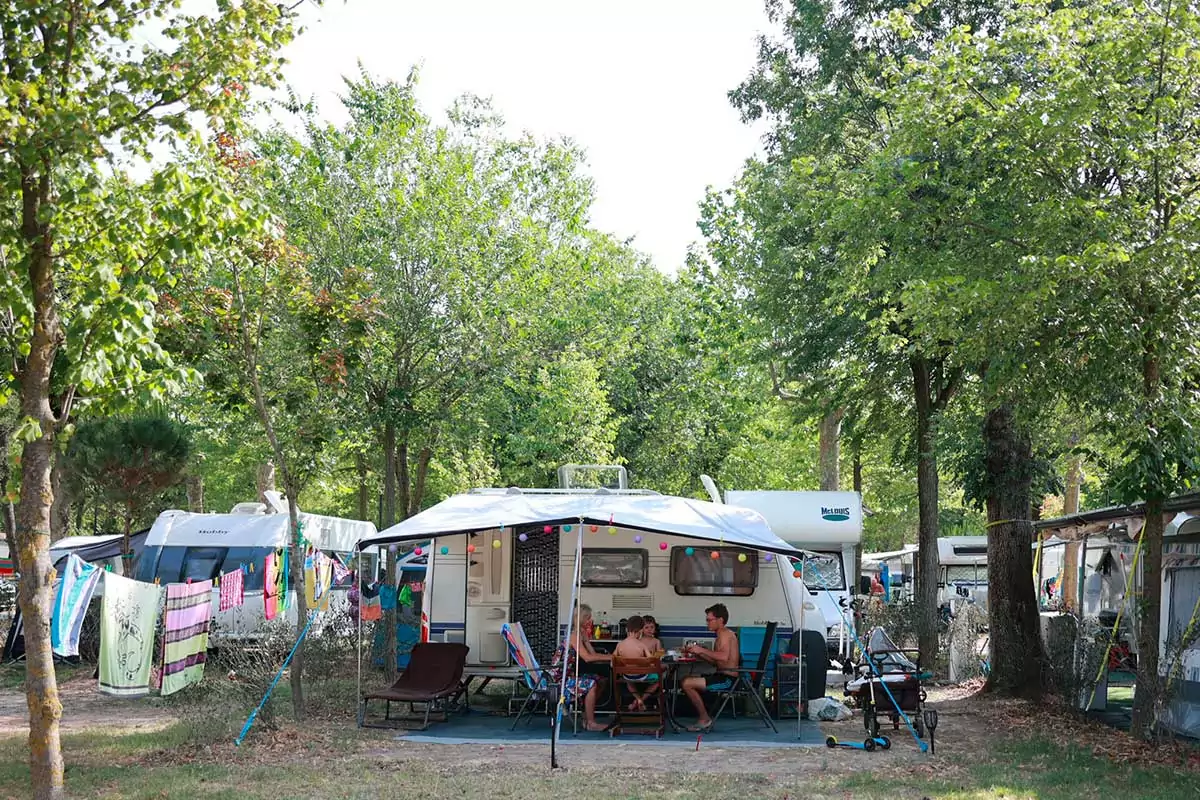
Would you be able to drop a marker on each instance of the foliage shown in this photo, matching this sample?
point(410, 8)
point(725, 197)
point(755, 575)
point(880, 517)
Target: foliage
point(129, 461)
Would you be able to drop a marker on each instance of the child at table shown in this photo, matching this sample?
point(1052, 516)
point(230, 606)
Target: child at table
point(632, 646)
point(650, 635)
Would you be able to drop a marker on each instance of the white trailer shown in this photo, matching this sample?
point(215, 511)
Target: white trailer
point(828, 525)
point(491, 560)
point(182, 545)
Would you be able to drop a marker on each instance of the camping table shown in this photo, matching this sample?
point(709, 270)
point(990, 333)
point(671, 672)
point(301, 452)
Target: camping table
point(487, 674)
point(671, 670)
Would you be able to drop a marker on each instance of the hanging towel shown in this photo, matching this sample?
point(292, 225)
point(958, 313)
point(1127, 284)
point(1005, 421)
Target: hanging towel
point(270, 587)
point(387, 597)
point(371, 609)
point(340, 572)
point(185, 634)
point(75, 587)
point(282, 581)
point(233, 590)
point(317, 577)
point(127, 621)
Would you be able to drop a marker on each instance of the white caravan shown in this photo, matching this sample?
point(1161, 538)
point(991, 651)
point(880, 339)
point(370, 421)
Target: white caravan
point(630, 564)
point(182, 545)
point(962, 571)
point(829, 526)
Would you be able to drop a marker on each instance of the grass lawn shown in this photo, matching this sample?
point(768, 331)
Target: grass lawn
point(345, 763)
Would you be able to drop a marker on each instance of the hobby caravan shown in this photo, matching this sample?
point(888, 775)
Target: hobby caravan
point(184, 546)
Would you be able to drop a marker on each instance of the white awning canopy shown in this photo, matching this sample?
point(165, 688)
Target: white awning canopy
point(663, 514)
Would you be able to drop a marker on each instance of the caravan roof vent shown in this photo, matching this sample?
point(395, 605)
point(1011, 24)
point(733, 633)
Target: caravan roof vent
point(513, 490)
point(249, 508)
point(970, 550)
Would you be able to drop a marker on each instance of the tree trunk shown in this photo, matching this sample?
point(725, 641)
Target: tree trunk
point(266, 478)
point(390, 492)
point(389, 475)
point(828, 439)
point(1015, 638)
point(60, 511)
point(195, 493)
point(858, 487)
point(1149, 683)
point(360, 463)
point(927, 510)
point(1146, 699)
point(418, 490)
point(126, 550)
point(296, 569)
point(1074, 479)
point(32, 540)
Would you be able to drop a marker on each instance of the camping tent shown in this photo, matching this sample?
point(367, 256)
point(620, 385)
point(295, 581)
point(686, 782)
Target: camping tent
point(92, 549)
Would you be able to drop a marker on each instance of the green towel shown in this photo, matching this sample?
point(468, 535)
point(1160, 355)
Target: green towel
point(128, 618)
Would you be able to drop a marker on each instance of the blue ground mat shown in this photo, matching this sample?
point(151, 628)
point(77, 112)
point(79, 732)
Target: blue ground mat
point(477, 727)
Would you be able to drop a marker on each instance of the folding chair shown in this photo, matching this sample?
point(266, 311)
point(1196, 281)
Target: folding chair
point(654, 718)
point(433, 676)
point(543, 684)
point(748, 682)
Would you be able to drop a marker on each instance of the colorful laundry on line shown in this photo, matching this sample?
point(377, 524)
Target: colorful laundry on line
point(75, 587)
point(185, 634)
point(371, 609)
point(317, 578)
point(271, 587)
point(387, 597)
point(128, 617)
point(233, 590)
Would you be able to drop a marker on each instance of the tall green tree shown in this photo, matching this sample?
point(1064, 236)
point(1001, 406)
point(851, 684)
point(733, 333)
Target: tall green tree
point(1079, 121)
point(85, 246)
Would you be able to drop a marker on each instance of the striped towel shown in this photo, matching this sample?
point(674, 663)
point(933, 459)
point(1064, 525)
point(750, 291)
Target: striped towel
point(185, 634)
point(75, 587)
point(233, 590)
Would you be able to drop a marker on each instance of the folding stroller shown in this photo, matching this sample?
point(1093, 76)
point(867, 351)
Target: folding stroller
point(903, 676)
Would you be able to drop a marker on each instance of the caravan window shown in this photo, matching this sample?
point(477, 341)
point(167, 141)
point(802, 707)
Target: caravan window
point(614, 567)
point(202, 563)
point(699, 573)
point(822, 571)
point(967, 574)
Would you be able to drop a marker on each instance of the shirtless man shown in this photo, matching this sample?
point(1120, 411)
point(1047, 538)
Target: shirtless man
point(724, 657)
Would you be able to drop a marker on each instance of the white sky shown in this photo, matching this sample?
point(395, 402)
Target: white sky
point(640, 86)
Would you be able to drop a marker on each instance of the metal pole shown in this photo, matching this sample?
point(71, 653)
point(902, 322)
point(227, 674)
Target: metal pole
point(556, 724)
point(358, 574)
point(800, 698)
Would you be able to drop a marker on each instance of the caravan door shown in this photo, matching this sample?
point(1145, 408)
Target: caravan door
point(489, 596)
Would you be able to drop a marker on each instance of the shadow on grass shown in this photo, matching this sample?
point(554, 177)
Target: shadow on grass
point(159, 764)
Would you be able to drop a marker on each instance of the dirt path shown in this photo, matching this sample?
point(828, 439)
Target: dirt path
point(85, 709)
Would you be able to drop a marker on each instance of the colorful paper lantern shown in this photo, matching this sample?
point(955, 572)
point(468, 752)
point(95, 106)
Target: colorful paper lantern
point(567, 528)
point(796, 574)
point(547, 529)
point(593, 528)
point(470, 548)
point(496, 544)
point(689, 551)
point(662, 545)
point(391, 548)
point(714, 555)
point(445, 550)
point(637, 539)
point(612, 531)
point(523, 538)
point(769, 557)
point(417, 551)
point(742, 557)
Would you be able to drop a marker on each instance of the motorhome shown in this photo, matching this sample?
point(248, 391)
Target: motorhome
point(184, 546)
point(828, 525)
point(640, 553)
